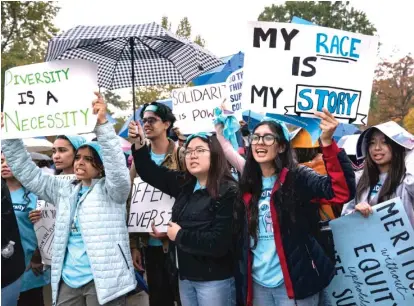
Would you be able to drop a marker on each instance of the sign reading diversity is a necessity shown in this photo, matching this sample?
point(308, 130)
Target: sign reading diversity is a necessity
point(50, 98)
point(296, 69)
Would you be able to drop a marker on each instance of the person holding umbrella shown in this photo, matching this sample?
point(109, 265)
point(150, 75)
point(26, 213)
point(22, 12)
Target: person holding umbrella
point(91, 262)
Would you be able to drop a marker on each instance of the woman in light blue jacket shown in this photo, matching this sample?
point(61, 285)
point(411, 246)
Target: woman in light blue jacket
point(91, 261)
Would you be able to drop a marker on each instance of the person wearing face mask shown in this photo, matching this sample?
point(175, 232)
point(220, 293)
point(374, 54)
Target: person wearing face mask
point(286, 265)
point(91, 262)
point(202, 217)
point(158, 120)
point(34, 278)
point(388, 173)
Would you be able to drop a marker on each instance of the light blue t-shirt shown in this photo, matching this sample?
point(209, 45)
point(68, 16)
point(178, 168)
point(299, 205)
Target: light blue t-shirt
point(158, 159)
point(77, 269)
point(198, 187)
point(266, 270)
point(22, 206)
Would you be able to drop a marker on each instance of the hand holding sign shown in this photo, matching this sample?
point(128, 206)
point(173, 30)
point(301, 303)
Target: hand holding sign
point(155, 233)
point(35, 215)
point(364, 208)
point(173, 229)
point(136, 134)
point(328, 126)
point(99, 108)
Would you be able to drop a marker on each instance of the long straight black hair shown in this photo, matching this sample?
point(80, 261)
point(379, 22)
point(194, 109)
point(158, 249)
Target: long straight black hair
point(219, 170)
point(251, 179)
point(371, 173)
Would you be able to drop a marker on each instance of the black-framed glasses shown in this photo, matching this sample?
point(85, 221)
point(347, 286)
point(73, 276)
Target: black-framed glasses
point(267, 139)
point(197, 152)
point(150, 120)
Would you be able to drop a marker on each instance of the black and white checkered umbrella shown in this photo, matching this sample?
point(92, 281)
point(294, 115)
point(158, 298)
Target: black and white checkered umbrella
point(159, 57)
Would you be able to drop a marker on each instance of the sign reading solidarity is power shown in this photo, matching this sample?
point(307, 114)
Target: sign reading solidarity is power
point(50, 98)
point(297, 69)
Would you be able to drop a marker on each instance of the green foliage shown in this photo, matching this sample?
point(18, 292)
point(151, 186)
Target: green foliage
point(115, 100)
point(26, 28)
point(184, 28)
point(338, 15)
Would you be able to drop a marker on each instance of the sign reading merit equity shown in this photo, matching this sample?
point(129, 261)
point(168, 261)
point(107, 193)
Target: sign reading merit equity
point(50, 98)
point(297, 69)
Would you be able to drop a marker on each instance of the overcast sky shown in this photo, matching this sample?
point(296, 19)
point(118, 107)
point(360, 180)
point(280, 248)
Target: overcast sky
point(222, 22)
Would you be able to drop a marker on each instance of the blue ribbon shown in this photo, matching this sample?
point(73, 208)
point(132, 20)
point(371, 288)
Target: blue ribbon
point(203, 135)
point(231, 126)
point(282, 124)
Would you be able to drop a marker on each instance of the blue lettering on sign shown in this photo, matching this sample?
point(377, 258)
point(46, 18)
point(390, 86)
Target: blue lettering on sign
point(339, 46)
point(235, 98)
point(338, 101)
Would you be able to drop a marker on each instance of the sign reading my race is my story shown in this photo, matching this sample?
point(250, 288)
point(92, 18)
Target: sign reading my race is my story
point(298, 69)
point(50, 98)
point(193, 106)
point(148, 205)
point(374, 258)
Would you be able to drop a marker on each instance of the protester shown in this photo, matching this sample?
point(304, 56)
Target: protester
point(181, 138)
point(202, 226)
point(63, 155)
point(12, 255)
point(91, 260)
point(388, 173)
point(277, 193)
point(158, 120)
point(34, 278)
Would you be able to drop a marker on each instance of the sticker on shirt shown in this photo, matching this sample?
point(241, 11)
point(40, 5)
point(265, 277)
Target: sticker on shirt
point(19, 207)
point(265, 217)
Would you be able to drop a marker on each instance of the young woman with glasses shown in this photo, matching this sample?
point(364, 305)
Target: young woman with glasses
point(202, 217)
point(286, 266)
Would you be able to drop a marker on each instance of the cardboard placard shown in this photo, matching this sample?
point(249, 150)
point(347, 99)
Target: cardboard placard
point(52, 98)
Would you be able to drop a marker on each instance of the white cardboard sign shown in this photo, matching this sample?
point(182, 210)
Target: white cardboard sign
point(51, 98)
point(193, 106)
point(295, 69)
point(148, 205)
point(233, 104)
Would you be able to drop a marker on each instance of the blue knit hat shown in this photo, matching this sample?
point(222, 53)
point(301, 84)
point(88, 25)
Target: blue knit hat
point(75, 141)
point(95, 146)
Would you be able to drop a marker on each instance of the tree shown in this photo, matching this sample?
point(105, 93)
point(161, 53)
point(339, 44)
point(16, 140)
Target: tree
point(165, 24)
point(394, 87)
point(115, 100)
point(26, 27)
point(184, 28)
point(199, 41)
point(338, 15)
point(409, 121)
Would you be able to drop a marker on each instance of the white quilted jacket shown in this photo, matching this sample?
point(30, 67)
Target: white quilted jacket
point(101, 215)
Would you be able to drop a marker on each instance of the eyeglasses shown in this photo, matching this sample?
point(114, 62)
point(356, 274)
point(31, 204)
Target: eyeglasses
point(150, 120)
point(197, 152)
point(267, 139)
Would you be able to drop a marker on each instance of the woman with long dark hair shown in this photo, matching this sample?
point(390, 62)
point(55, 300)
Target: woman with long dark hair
point(202, 217)
point(91, 261)
point(285, 263)
point(388, 173)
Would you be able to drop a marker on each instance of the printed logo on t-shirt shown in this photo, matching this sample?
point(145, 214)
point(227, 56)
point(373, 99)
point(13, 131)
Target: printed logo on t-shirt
point(19, 207)
point(376, 189)
point(265, 218)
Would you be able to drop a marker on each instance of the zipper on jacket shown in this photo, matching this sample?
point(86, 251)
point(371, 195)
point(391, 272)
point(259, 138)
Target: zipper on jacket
point(123, 255)
point(313, 263)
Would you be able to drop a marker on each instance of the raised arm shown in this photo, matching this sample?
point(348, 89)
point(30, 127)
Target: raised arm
point(28, 174)
point(409, 173)
point(232, 156)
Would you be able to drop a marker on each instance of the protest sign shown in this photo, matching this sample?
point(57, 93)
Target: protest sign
point(148, 205)
point(45, 227)
point(193, 107)
point(51, 98)
point(391, 129)
point(297, 69)
point(374, 258)
point(233, 104)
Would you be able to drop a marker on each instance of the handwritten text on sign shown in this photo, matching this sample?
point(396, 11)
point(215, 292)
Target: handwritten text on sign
point(299, 69)
point(193, 106)
point(374, 258)
point(45, 227)
point(148, 205)
point(50, 98)
point(233, 104)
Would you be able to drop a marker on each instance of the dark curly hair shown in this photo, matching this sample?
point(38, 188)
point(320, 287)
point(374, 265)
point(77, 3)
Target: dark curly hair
point(163, 111)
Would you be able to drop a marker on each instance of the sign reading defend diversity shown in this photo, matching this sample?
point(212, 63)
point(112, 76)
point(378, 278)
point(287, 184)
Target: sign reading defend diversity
point(194, 106)
point(50, 98)
point(374, 258)
point(148, 205)
point(297, 69)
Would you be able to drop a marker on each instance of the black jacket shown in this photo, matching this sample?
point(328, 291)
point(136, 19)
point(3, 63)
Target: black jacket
point(11, 268)
point(205, 242)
